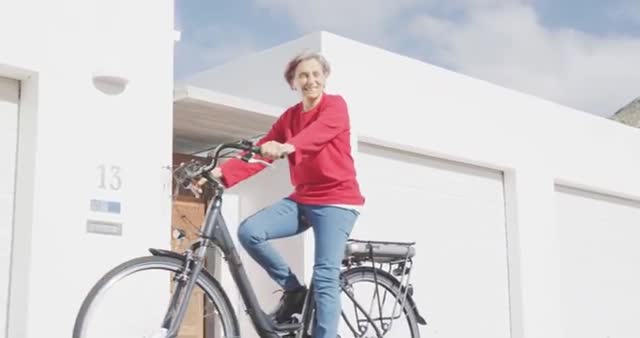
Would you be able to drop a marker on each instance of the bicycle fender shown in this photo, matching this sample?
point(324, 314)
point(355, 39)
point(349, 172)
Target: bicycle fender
point(414, 306)
point(166, 253)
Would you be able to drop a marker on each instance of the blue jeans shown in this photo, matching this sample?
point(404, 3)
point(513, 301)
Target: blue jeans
point(331, 228)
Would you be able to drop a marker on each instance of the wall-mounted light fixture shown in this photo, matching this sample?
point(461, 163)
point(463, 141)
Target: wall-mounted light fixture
point(110, 83)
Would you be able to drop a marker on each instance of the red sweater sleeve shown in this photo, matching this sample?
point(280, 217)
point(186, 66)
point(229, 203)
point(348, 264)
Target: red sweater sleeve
point(332, 120)
point(235, 170)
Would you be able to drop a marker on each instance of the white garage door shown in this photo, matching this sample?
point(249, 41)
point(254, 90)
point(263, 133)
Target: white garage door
point(455, 213)
point(8, 145)
point(600, 261)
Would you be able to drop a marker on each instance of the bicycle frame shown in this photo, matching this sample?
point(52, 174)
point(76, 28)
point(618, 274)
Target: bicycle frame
point(215, 232)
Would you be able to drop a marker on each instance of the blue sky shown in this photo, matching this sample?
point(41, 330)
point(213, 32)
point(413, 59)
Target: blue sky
point(580, 53)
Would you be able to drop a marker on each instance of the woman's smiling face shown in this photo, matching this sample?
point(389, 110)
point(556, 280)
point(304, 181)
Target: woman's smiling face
point(310, 79)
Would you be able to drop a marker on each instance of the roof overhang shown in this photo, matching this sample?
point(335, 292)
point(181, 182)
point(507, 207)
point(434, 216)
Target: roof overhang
point(203, 118)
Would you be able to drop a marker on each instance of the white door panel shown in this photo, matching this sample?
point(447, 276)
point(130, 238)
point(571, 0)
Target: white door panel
point(455, 213)
point(600, 260)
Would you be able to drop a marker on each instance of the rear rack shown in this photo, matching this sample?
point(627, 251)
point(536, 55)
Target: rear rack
point(392, 258)
point(379, 251)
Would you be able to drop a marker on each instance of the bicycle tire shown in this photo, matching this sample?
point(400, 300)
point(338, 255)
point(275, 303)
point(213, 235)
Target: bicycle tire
point(205, 281)
point(391, 284)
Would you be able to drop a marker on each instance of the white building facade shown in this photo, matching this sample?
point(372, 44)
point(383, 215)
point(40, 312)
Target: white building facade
point(525, 212)
point(85, 114)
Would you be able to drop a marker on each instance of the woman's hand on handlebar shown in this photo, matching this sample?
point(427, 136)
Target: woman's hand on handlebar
point(274, 150)
point(270, 150)
point(215, 173)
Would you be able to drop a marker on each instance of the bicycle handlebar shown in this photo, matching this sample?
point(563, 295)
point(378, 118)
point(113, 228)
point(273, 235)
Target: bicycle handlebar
point(245, 145)
point(187, 173)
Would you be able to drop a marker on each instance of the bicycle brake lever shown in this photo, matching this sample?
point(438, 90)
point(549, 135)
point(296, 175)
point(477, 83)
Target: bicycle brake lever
point(253, 160)
point(196, 192)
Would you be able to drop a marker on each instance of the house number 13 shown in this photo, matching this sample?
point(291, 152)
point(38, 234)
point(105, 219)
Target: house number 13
point(110, 177)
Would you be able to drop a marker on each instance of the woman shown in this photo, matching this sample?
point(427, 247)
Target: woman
point(315, 136)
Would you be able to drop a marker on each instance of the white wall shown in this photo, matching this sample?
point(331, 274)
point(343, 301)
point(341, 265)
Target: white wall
point(536, 142)
point(258, 76)
point(9, 91)
point(431, 111)
point(68, 129)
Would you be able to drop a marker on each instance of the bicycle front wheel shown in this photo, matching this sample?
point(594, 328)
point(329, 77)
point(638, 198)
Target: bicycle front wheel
point(134, 299)
point(375, 305)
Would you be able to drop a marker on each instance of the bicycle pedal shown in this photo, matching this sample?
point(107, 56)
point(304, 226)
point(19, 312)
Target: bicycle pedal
point(296, 318)
point(287, 326)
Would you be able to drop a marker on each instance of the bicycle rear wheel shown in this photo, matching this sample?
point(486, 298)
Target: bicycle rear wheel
point(131, 301)
point(373, 306)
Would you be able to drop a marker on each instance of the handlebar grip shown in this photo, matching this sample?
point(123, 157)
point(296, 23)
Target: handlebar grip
point(258, 150)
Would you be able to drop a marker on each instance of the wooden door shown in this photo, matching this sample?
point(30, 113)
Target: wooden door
point(188, 216)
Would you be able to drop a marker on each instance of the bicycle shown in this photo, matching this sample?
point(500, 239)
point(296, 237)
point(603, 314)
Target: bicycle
point(373, 263)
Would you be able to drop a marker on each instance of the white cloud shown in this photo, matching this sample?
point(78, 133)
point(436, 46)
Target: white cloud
point(507, 45)
point(501, 41)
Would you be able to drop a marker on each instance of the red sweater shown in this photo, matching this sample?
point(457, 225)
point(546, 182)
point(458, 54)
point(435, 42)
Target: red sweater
point(321, 168)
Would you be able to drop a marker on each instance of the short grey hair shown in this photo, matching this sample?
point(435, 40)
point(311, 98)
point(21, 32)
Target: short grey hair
point(290, 71)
